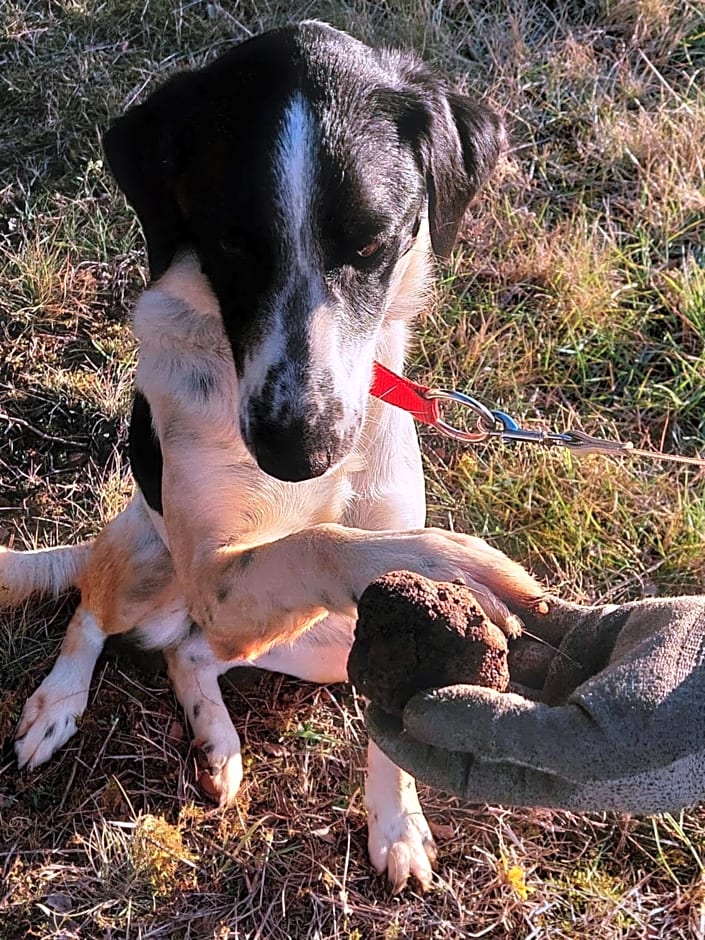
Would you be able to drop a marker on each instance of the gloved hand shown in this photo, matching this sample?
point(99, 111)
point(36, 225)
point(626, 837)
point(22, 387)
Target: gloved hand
point(618, 723)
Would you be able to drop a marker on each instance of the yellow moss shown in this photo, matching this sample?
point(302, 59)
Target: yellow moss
point(593, 893)
point(158, 852)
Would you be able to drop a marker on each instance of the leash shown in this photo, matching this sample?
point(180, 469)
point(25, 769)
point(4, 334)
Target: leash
point(424, 403)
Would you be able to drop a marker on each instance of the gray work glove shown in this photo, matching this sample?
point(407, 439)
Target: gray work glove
point(618, 722)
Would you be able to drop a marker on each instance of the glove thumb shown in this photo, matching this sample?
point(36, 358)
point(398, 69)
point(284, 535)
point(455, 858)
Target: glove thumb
point(503, 726)
point(463, 717)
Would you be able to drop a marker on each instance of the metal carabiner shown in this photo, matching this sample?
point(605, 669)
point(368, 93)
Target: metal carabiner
point(583, 443)
point(577, 441)
point(510, 431)
point(490, 424)
point(485, 418)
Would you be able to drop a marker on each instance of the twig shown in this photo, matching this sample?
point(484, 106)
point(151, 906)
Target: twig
point(12, 419)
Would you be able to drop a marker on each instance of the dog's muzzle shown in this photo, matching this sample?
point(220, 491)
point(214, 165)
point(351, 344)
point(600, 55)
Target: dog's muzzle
point(295, 451)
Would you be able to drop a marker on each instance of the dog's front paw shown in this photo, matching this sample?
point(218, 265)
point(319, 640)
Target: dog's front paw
point(399, 840)
point(220, 770)
point(48, 720)
point(499, 584)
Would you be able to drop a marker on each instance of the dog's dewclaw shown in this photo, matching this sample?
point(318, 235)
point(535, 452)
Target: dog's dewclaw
point(414, 634)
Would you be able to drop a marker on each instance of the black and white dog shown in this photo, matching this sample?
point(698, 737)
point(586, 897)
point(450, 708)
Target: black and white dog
point(292, 195)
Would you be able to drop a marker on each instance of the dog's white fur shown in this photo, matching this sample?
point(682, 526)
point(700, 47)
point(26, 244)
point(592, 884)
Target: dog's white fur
point(270, 571)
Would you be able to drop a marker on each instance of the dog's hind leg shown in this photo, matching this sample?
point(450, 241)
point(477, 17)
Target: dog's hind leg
point(399, 839)
point(127, 584)
point(49, 716)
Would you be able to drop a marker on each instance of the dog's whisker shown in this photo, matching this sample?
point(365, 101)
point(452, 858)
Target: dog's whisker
point(556, 649)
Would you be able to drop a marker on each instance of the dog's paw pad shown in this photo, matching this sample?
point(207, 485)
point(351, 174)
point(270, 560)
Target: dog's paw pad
point(48, 720)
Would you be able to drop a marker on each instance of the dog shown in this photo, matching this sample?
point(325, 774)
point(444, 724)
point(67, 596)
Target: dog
point(293, 194)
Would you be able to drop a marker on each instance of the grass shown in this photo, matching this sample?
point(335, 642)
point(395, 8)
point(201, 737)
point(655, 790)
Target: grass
point(576, 299)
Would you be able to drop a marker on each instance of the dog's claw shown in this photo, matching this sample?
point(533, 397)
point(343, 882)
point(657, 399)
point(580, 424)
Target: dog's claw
point(401, 865)
point(220, 775)
point(402, 845)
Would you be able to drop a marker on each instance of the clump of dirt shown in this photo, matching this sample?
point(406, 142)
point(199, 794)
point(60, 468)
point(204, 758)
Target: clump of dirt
point(414, 634)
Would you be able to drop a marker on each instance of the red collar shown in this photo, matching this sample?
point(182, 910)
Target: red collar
point(403, 393)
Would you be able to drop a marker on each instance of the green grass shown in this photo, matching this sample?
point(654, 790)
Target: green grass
point(576, 298)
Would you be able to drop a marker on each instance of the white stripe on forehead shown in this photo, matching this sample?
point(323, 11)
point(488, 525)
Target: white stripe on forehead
point(295, 167)
point(294, 182)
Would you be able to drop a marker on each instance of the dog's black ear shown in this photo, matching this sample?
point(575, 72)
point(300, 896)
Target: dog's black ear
point(462, 146)
point(140, 151)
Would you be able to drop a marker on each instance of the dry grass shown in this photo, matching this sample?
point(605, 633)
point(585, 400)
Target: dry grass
point(576, 299)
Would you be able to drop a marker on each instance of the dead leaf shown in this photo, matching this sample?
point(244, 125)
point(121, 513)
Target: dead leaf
point(324, 834)
point(441, 832)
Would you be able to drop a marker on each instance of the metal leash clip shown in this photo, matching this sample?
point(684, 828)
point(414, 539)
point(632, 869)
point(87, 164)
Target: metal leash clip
point(498, 424)
point(577, 441)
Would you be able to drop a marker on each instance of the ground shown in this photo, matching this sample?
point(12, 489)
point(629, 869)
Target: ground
point(575, 299)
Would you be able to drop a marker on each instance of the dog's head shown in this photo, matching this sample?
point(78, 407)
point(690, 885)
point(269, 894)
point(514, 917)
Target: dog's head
point(307, 171)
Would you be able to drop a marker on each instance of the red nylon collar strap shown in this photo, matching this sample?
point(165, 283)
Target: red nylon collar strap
point(403, 393)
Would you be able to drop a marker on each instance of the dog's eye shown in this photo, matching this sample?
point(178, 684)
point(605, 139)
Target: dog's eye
point(236, 245)
point(372, 248)
point(232, 246)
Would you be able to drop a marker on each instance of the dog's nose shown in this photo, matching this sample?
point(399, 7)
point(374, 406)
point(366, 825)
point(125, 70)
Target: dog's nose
point(289, 454)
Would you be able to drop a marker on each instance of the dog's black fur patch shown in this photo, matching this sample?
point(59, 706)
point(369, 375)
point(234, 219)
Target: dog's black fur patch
point(145, 453)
